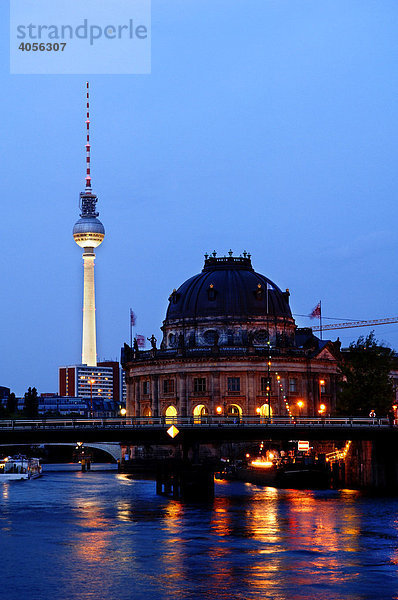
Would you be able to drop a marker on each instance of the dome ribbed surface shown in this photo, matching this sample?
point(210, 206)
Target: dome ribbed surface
point(88, 225)
point(227, 287)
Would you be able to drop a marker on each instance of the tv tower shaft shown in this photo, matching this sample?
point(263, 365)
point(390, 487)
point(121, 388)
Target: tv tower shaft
point(89, 338)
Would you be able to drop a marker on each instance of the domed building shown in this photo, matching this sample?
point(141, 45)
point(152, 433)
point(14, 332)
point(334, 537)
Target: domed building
point(231, 346)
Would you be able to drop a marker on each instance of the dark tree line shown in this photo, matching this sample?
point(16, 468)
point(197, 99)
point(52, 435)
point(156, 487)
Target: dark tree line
point(366, 383)
point(31, 410)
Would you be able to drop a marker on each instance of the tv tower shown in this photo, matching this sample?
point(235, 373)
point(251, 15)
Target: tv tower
point(88, 233)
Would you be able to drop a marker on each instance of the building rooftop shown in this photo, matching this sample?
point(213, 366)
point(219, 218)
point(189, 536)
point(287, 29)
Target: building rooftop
point(228, 286)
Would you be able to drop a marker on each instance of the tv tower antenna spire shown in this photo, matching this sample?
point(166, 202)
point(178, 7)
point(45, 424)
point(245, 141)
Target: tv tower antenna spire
point(88, 147)
point(88, 233)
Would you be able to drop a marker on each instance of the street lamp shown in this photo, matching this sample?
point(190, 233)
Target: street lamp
point(91, 396)
point(123, 412)
point(300, 405)
point(321, 385)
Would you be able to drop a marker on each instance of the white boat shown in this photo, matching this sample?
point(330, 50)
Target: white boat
point(19, 468)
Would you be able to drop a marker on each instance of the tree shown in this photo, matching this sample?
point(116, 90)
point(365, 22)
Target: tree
point(12, 404)
point(366, 383)
point(31, 403)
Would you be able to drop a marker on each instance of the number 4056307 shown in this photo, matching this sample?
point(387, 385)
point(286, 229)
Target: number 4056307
point(43, 47)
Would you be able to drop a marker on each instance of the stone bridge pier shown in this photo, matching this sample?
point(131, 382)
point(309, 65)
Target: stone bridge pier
point(373, 465)
point(184, 471)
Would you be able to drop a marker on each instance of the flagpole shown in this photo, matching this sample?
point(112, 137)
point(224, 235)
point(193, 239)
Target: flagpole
point(131, 332)
point(320, 317)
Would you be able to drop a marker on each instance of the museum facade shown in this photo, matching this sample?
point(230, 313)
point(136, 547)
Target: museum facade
point(231, 347)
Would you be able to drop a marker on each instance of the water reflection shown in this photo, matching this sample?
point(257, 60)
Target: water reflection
point(105, 536)
point(93, 542)
point(5, 490)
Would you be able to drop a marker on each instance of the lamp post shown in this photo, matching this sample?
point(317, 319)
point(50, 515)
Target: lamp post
point(321, 384)
point(91, 397)
point(300, 405)
point(268, 386)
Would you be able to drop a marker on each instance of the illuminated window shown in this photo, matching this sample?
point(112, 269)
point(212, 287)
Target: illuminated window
point(168, 386)
point(199, 384)
point(234, 410)
point(171, 414)
point(234, 384)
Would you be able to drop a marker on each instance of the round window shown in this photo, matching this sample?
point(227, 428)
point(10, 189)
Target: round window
point(210, 337)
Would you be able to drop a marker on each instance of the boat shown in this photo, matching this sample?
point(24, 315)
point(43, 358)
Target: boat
point(19, 468)
point(298, 472)
point(259, 471)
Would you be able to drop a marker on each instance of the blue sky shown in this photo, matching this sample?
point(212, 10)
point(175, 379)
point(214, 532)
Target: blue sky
point(266, 125)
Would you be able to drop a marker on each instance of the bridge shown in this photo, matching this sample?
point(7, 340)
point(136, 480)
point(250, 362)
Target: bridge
point(206, 429)
point(372, 460)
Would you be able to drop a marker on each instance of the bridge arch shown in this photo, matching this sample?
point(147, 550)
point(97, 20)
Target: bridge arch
point(111, 448)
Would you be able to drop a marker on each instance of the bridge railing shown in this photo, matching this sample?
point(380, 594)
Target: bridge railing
point(194, 421)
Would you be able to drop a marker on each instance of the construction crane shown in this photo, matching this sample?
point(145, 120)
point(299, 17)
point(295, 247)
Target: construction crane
point(387, 321)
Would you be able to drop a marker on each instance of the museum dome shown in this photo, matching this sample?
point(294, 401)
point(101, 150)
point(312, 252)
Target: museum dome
point(229, 287)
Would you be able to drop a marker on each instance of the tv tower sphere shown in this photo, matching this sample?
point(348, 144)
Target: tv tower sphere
point(88, 233)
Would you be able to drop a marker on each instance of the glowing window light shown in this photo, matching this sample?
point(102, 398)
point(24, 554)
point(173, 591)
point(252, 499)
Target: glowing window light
point(262, 464)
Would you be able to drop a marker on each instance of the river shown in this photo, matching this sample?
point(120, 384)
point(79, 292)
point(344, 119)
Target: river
point(102, 536)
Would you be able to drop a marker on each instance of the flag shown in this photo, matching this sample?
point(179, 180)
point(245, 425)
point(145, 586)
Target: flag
point(316, 312)
point(132, 317)
point(140, 341)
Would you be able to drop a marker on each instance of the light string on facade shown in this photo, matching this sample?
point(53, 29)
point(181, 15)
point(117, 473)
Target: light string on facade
point(268, 386)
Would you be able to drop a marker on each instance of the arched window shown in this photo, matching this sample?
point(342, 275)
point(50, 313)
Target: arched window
point(170, 414)
point(199, 411)
point(265, 411)
point(211, 292)
point(234, 411)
